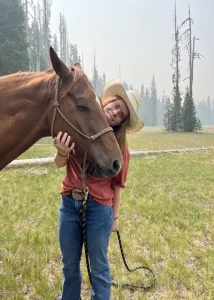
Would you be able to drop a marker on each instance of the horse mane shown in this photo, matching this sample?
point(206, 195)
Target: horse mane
point(78, 73)
point(47, 82)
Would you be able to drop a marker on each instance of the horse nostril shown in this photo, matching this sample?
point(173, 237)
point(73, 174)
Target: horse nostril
point(116, 166)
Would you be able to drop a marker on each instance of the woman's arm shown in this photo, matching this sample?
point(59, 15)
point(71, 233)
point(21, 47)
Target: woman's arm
point(116, 207)
point(62, 145)
point(59, 160)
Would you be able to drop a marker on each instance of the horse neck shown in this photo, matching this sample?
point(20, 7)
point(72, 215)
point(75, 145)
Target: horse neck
point(27, 94)
point(24, 112)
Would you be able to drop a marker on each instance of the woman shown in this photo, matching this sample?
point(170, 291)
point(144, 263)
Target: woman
point(102, 215)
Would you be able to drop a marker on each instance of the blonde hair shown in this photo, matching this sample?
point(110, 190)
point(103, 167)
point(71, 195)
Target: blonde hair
point(119, 130)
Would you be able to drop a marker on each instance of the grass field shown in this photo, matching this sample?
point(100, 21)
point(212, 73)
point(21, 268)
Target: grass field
point(148, 138)
point(166, 223)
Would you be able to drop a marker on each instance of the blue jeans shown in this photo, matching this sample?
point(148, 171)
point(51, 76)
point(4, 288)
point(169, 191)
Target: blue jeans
point(99, 221)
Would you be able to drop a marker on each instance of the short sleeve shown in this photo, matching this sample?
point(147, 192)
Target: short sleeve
point(120, 178)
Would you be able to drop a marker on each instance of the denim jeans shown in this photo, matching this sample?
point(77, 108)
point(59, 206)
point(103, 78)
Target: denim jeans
point(99, 221)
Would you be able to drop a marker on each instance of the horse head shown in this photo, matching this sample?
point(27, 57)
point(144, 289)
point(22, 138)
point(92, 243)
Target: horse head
point(78, 112)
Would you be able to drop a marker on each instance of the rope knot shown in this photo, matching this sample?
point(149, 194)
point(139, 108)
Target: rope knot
point(93, 138)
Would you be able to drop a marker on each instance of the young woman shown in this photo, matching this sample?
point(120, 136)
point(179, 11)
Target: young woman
point(102, 215)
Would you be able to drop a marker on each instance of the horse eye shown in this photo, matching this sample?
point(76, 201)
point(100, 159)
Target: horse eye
point(82, 108)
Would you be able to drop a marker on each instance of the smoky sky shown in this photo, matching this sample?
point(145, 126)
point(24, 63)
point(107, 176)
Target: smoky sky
point(133, 38)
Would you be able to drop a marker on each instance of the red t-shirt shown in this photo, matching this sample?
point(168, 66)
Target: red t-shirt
point(99, 188)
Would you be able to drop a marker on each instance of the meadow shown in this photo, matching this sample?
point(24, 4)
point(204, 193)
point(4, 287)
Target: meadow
point(166, 223)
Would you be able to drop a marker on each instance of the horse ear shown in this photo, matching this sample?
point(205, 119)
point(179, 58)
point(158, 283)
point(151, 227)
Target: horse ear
point(58, 65)
point(78, 65)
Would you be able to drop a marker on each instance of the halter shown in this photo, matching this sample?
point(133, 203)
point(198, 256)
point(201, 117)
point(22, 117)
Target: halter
point(90, 138)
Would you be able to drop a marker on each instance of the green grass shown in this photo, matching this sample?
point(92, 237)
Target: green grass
point(148, 138)
point(166, 223)
point(156, 138)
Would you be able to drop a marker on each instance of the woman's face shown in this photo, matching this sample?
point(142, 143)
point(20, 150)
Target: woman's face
point(116, 112)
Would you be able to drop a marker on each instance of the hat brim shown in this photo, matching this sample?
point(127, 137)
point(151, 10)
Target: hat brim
point(115, 88)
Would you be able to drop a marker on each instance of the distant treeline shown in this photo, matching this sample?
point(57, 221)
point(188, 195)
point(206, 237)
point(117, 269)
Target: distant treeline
point(25, 38)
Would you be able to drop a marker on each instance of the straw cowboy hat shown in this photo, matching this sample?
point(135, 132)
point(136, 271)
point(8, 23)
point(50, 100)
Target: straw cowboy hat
point(132, 99)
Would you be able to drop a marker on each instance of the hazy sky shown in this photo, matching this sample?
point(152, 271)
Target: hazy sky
point(137, 34)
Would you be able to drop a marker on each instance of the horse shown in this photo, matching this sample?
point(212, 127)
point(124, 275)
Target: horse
point(36, 105)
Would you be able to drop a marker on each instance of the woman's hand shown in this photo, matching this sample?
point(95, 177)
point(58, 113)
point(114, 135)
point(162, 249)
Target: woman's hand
point(61, 142)
point(115, 226)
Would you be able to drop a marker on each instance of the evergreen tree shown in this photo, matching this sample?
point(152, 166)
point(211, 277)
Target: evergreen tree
point(46, 32)
point(147, 108)
point(167, 115)
point(35, 42)
point(198, 126)
point(142, 108)
point(73, 56)
point(64, 40)
point(95, 76)
point(176, 121)
point(13, 45)
point(153, 103)
point(162, 107)
point(190, 122)
point(55, 43)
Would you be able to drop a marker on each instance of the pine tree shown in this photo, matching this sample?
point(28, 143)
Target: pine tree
point(13, 45)
point(46, 32)
point(142, 108)
point(95, 76)
point(63, 34)
point(198, 125)
point(55, 43)
point(73, 56)
point(35, 42)
point(167, 115)
point(190, 122)
point(158, 112)
point(147, 108)
point(162, 107)
point(176, 117)
point(153, 103)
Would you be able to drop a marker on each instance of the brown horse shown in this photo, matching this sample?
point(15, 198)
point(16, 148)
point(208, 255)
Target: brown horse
point(27, 113)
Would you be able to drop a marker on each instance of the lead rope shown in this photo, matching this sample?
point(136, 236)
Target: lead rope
point(84, 208)
point(126, 285)
point(83, 213)
point(133, 286)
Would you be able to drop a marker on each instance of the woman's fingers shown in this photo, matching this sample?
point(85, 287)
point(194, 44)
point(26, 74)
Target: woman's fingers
point(57, 138)
point(72, 147)
point(67, 141)
point(63, 140)
point(59, 135)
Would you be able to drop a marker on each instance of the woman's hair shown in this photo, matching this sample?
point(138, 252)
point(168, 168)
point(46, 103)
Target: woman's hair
point(119, 130)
